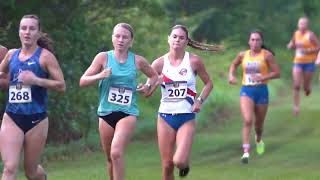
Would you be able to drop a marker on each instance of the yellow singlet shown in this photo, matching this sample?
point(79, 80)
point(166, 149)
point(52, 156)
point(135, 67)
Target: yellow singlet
point(253, 66)
point(304, 41)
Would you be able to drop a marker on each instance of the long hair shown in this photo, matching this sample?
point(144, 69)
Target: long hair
point(195, 44)
point(44, 41)
point(263, 46)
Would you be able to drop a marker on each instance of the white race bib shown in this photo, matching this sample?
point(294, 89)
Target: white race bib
point(120, 96)
point(176, 90)
point(20, 94)
point(249, 81)
point(300, 53)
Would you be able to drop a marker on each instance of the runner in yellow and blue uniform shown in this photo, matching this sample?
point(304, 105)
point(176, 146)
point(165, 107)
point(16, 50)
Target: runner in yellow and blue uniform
point(306, 46)
point(258, 66)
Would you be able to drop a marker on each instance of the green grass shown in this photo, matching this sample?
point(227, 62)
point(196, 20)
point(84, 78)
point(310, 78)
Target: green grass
point(292, 146)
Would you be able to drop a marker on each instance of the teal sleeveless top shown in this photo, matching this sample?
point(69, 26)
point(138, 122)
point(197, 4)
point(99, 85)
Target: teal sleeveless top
point(118, 91)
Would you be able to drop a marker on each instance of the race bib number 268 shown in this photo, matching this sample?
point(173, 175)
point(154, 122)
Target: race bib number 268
point(20, 94)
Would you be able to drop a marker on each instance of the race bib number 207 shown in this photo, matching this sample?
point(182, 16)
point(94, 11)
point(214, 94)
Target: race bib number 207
point(176, 90)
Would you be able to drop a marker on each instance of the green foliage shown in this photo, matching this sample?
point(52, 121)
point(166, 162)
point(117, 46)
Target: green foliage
point(231, 20)
point(292, 151)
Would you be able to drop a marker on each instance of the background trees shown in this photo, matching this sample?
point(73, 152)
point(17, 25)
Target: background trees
point(82, 28)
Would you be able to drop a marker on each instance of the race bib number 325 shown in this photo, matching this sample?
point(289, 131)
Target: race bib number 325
point(120, 96)
point(20, 94)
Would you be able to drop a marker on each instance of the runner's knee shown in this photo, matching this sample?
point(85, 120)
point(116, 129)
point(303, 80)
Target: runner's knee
point(296, 87)
point(116, 154)
point(10, 169)
point(247, 122)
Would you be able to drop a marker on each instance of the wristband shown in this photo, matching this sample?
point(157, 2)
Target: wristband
point(148, 85)
point(200, 100)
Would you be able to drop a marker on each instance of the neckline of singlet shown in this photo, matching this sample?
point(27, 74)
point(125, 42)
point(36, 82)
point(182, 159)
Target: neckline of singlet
point(117, 61)
point(249, 53)
point(181, 63)
point(34, 54)
point(304, 33)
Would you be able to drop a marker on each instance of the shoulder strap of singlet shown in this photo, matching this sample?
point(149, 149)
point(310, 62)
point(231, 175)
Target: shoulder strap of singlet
point(246, 54)
point(131, 55)
point(109, 57)
point(15, 55)
point(186, 58)
point(16, 52)
point(38, 53)
point(166, 62)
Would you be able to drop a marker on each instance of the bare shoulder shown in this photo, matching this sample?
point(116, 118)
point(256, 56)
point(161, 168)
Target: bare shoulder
point(101, 57)
point(10, 53)
point(196, 62)
point(140, 61)
point(157, 64)
point(241, 54)
point(194, 57)
point(159, 60)
point(268, 53)
point(4, 49)
point(47, 55)
point(312, 33)
point(139, 58)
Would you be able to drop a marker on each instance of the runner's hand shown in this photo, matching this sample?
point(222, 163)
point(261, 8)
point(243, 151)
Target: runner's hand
point(105, 73)
point(27, 78)
point(144, 89)
point(196, 106)
point(232, 80)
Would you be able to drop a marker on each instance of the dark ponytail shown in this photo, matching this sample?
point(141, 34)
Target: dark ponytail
point(197, 45)
point(44, 41)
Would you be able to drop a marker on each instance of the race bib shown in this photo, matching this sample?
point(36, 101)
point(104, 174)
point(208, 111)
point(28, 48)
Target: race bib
point(176, 90)
point(20, 94)
point(120, 95)
point(249, 79)
point(300, 53)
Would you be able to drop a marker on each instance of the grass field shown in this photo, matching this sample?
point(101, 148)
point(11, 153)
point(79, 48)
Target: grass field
point(292, 151)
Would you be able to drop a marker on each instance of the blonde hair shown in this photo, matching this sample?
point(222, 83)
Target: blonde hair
point(126, 26)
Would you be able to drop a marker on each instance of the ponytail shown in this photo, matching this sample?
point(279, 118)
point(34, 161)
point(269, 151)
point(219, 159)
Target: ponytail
point(45, 42)
point(265, 47)
point(204, 47)
point(197, 45)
